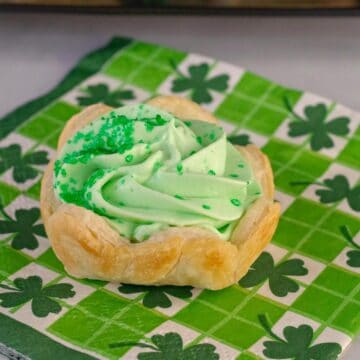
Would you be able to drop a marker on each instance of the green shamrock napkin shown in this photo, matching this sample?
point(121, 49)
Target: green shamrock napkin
point(300, 299)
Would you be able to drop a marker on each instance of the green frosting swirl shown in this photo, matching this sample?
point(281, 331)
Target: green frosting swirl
point(144, 170)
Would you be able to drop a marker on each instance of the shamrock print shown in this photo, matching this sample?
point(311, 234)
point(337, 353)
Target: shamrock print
point(11, 157)
point(157, 295)
point(240, 139)
point(353, 255)
point(338, 188)
point(297, 344)
point(315, 124)
point(264, 269)
point(170, 347)
point(198, 83)
point(101, 93)
point(31, 289)
point(23, 226)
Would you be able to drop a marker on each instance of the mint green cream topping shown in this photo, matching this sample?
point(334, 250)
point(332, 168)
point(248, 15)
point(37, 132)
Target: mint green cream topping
point(144, 170)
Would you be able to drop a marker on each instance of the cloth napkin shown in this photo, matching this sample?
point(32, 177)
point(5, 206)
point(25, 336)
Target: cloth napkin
point(301, 297)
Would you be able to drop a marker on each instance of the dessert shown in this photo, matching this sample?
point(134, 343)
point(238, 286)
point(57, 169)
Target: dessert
point(155, 194)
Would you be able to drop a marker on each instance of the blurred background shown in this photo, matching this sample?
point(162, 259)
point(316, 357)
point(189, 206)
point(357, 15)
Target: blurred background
point(190, 5)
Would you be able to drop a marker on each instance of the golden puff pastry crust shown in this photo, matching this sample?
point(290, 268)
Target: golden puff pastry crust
point(89, 248)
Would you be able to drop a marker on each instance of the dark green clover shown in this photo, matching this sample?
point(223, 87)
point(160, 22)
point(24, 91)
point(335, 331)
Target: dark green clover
point(240, 139)
point(297, 344)
point(315, 124)
point(353, 255)
point(264, 269)
point(336, 189)
point(198, 83)
point(101, 93)
point(170, 347)
point(157, 295)
point(23, 226)
point(42, 298)
point(22, 165)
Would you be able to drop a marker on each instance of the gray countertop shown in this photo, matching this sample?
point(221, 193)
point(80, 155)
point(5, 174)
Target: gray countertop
point(321, 55)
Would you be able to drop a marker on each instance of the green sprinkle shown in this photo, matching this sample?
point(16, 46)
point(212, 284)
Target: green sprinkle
point(188, 123)
point(157, 165)
point(151, 123)
point(235, 202)
point(211, 172)
point(199, 139)
point(179, 197)
point(206, 207)
point(179, 168)
point(120, 203)
point(258, 193)
point(57, 167)
point(129, 158)
point(212, 136)
point(234, 175)
point(63, 172)
point(241, 165)
point(223, 228)
point(122, 181)
point(192, 152)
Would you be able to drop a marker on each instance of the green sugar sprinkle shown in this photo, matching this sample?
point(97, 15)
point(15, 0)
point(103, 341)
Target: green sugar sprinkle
point(188, 123)
point(241, 165)
point(192, 152)
point(179, 168)
point(223, 228)
point(63, 172)
point(179, 197)
point(235, 202)
point(234, 175)
point(122, 181)
point(157, 165)
point(121, 203)
point(258, 193)
point(152, 122)
point(199, 139)
point(211, 172)
point(212, 136)
point(129, 158)
point(57, 167)
point(206, 207)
